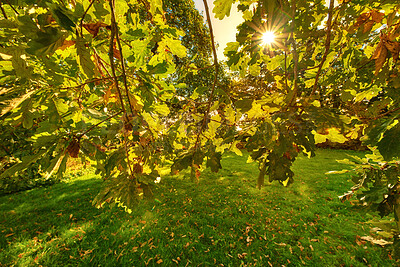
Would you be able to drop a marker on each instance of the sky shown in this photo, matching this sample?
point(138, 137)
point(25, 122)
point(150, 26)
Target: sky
point(224, 30)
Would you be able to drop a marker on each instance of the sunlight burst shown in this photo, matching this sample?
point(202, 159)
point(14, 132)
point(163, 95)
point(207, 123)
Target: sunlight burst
point(268, 38)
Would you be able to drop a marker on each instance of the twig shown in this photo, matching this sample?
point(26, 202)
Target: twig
point(327, 46)
point(12, 7)
point(3, 11)
point(106, 119)
point(381, 115)
point(295, 58)
point(84, 14)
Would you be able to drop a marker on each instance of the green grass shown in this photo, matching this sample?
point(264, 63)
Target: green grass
point(223, 221)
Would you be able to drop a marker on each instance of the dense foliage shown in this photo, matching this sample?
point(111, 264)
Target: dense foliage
point(100, 79)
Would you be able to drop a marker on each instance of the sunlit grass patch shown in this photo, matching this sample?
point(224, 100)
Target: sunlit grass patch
point(222, 220)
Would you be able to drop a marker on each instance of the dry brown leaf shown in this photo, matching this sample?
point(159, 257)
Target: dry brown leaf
point(393, 47)
point(362, 19)
point(368, 26)
point(66, 44)
point(73, 148)
point(380, 54)
point(377, 16)
point(93, 28)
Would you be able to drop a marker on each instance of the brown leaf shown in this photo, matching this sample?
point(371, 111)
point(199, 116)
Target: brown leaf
point(368, 26)
point(377, 16)
point(395, 32)
point(380, 54)
point(159, 261)
point(73, 147)
point(394, 48)
point(137, 168)
point(362, 19)
point(93, 28)
point(66, 44)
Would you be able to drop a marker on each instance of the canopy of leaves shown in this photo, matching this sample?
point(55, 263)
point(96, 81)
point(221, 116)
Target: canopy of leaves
point(100, 79)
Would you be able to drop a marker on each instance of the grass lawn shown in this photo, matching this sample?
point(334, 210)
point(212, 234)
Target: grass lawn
point(223, 221)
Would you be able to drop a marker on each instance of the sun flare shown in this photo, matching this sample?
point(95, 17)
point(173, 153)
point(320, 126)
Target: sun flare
point(268, 38)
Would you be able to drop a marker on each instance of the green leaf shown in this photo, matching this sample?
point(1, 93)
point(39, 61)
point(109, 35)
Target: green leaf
point(46, 42)
point(26, 161)
point(183, 161)
point(63, 16)
point(222, 8)
point(214, 161)
point(84, 58)
point(389, 146)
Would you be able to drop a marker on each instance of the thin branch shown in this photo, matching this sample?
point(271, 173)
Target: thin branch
point(295, 57)
point(114, 31)
point(122, 62)
point(286, 74)
point(216, 66)
point(12, 7)
point(106, 119)
point(3, 11)
point(381, 115)
point(111, 55)
point(84, 14)
point(327, 46)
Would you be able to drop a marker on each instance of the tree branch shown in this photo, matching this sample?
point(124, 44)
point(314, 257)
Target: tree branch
point(3, 11)
point(111, 55)
point(327, 46)
point(12, 7)
point(216, 66)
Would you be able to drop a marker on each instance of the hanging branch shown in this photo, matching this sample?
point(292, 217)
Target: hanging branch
point(327, 46)
point(111, 55)
point(122, 62)
point(216, 66)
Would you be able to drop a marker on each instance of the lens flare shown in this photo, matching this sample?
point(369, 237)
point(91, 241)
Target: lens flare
point(268, 38)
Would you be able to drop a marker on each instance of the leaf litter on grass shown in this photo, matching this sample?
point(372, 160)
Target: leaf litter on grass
point(223, 220)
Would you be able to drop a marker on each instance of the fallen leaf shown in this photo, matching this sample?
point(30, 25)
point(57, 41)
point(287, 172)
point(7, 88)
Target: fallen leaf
point(159, 261)
point(380, 242)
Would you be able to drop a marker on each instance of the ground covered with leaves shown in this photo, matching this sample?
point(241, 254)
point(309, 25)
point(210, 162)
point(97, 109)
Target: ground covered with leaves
point(224, 220)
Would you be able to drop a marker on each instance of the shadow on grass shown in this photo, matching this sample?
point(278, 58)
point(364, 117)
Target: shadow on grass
point(222, 220)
